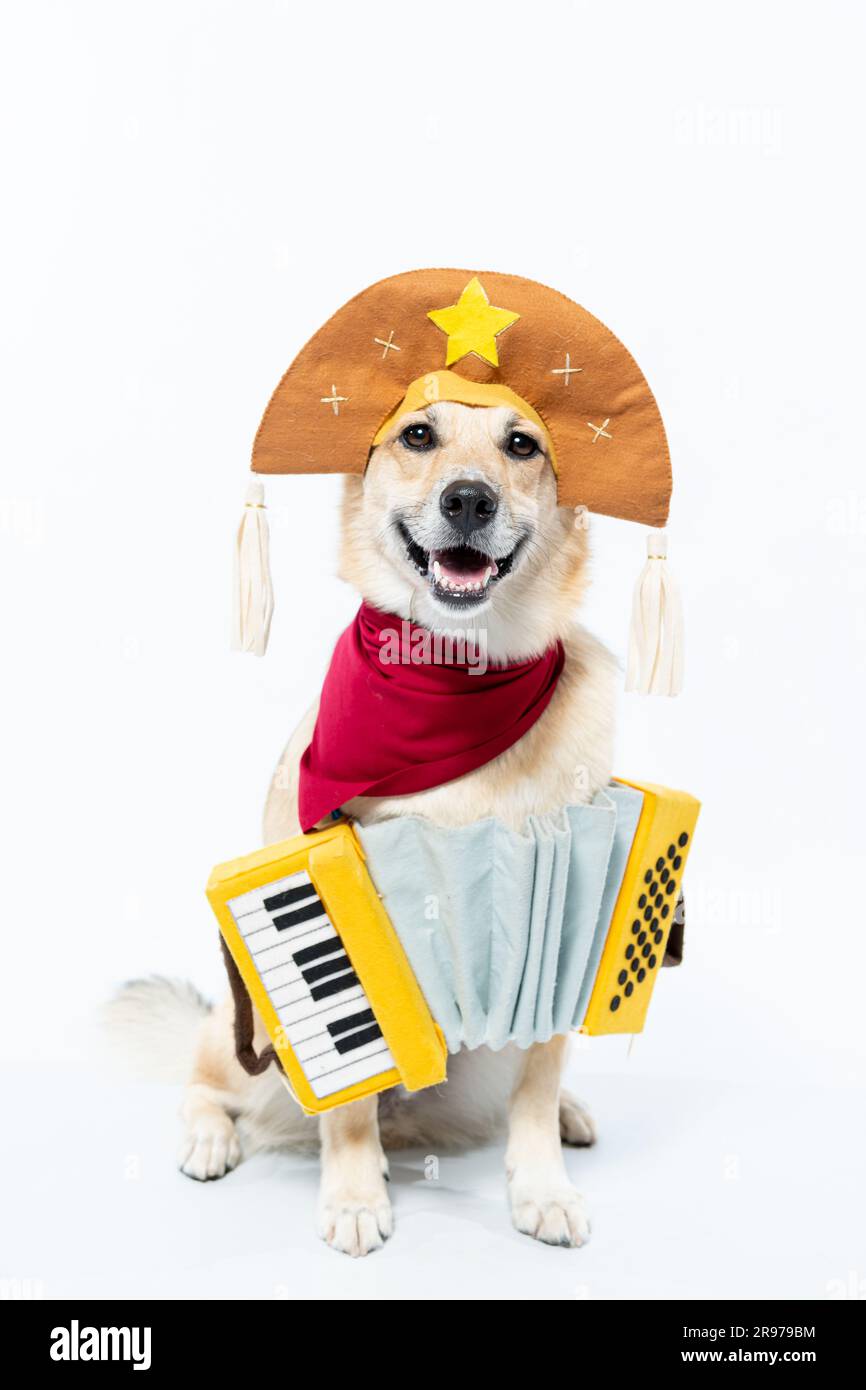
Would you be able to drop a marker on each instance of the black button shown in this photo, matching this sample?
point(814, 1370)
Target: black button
point(665, 875)
point(646, 950)
point(665, 910)
point(629, 990)
point(641, 939)
point(622, 977)
point(641, 902)
point(651, 962)
point(654, 924)
point(660, 863)
point(635, 927)
point(672, 849)
point(614, 1004)
point(648, 876)
point(659, 936)
point(635, 963)
point(678, 860)
point(659, 899)
point(641, 975)
point(683, 840)
point(671, 885)
point(629, 952)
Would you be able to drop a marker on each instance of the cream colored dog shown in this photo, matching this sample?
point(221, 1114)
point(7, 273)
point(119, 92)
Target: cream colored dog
point(454, 525)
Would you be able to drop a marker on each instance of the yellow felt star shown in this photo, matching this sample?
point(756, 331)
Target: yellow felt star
point(472, 324)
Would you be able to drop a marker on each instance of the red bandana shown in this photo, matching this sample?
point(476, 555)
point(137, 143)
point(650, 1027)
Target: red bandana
point(391, 723)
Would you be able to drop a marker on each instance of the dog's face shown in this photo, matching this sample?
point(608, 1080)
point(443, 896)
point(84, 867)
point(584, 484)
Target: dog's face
point(455, 521)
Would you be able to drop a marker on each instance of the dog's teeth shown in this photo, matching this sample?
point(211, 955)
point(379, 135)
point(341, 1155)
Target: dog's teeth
point(437, 571)
point(487, 574)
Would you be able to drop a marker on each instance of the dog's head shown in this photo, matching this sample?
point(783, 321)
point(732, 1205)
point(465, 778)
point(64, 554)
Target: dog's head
point(455, 525)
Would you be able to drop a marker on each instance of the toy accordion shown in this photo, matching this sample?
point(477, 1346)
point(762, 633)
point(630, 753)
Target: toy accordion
point(309, 941)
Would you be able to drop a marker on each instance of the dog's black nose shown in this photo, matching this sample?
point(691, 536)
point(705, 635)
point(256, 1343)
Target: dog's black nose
point(468, 506)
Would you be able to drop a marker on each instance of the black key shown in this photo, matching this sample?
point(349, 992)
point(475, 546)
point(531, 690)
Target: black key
point(291, 895)
point(322, 948)
point(683, 840)
point(327, 967)
point(336, 986)
point(358, 1039)
point(301, 914)
point(343, 1025)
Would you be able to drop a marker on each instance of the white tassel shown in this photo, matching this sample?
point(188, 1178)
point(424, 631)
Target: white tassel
point(655, 646)
point(253, 600)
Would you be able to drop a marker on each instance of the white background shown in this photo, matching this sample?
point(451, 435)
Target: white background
point(190, 189)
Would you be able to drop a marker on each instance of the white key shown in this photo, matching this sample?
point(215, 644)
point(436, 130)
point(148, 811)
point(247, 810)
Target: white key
point(299, 1008)
point(263, 940)
point(359, 1070)
point(254, 899)
point(306, 1027)
point(320, 1066)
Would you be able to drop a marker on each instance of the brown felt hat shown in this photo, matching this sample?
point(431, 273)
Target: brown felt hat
point(483, 339)
point(445, 332)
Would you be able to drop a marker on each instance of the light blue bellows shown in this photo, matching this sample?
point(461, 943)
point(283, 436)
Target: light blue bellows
point(504, 930)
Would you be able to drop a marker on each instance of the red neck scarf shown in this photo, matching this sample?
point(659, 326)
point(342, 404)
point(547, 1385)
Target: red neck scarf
point(389, 724)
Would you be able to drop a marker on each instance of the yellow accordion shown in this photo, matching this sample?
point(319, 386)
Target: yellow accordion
point(310, 941)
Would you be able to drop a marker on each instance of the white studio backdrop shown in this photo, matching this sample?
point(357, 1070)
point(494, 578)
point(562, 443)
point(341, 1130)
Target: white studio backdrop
point(190, 190)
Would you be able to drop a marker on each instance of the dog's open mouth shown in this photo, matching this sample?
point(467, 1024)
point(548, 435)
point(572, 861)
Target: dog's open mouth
point(459, 576)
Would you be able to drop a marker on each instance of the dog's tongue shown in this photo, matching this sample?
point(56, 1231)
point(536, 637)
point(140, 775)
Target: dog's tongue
point(463, 566)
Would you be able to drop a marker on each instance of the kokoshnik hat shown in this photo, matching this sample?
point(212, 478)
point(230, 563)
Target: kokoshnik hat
point(479, 339)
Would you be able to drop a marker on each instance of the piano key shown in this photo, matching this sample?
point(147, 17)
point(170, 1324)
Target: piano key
point(252, 901)
point(299, 1007)
point(316, 950)
point(289, 896)
point(324, 940)
point(322, 1017)
point(290, 993)
point(334, 966)
point(351, 1042)
point(342, 1025)
point(300, 936)
point(334, 986)
point(361, 1069)
point(331, 1061)
point(299, 914)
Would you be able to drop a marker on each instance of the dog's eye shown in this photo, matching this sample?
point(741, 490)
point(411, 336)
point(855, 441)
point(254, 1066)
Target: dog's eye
point(522, 446)
point(418, 437)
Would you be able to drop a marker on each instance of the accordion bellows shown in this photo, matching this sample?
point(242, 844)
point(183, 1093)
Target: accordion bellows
point(507, 948)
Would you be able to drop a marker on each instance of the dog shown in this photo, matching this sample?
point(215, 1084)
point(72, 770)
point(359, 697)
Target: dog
point(455, 526)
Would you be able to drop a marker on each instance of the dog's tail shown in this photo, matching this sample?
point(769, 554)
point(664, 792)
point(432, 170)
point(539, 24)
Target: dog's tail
point(153, 1026)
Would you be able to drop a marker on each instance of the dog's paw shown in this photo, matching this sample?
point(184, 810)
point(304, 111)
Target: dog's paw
point(554, 1214)
point(210, 1148)
point(576, 1125)
point(356, 1226)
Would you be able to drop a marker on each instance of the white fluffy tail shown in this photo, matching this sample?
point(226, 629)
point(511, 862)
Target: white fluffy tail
point(153, 1027)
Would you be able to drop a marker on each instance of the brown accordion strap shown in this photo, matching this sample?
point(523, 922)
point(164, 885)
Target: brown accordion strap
point(253, 1064)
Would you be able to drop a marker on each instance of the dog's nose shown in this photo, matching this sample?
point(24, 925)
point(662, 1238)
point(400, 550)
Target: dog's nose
point(468, 506)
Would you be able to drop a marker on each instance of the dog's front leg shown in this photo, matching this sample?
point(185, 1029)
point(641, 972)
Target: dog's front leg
point(354, 1210)
point(544, 1204)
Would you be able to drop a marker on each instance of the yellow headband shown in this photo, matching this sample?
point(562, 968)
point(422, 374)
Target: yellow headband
point(448, 386)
